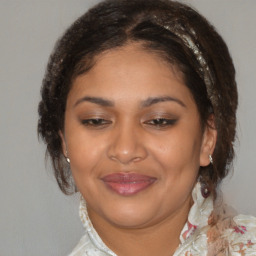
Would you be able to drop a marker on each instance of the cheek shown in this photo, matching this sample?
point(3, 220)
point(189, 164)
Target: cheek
point(85, 152)
point(177, 151)
point(86, 165)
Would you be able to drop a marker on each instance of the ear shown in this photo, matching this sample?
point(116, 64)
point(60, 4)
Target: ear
point(208, 141)
point(63, 143)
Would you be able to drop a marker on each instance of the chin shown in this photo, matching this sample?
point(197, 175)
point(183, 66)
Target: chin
point(129, 215)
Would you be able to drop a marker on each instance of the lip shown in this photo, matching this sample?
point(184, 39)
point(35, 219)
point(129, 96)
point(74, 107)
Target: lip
point(127, 184)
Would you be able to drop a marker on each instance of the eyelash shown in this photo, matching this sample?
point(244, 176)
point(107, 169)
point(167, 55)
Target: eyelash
point(95, 122)
point(161, 122)
point(101, 123)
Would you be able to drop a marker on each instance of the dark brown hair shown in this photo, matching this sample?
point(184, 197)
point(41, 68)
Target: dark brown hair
point(153, 24)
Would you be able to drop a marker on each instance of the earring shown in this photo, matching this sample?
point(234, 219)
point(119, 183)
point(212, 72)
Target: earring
point(68, 160)
point(210, 158)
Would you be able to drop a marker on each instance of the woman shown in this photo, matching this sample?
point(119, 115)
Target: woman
point(138, 112)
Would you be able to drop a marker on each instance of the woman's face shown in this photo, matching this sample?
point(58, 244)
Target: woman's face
point(134, 138)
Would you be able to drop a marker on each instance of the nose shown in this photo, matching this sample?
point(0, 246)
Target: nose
point(127, 145)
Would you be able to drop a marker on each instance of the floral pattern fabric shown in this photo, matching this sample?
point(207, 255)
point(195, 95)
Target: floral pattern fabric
point(209, 231)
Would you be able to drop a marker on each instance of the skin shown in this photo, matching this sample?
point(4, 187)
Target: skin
point(131, 133)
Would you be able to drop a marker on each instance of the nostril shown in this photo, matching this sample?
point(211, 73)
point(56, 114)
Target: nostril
point(125, 160)
point(126, 155)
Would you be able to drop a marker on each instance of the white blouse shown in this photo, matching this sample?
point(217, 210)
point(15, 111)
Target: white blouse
point(209, 231)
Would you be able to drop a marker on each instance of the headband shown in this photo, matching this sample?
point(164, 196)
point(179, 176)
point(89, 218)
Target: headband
point(204, 70)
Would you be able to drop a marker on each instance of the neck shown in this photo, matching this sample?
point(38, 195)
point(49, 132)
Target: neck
point(159, 238)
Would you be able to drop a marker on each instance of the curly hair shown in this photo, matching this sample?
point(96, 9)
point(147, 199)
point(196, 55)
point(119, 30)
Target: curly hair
point(162, 26)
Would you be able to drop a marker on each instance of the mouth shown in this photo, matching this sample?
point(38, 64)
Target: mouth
point(127, 184)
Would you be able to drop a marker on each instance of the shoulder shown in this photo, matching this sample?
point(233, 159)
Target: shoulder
point(241, 236)
point(233, 236)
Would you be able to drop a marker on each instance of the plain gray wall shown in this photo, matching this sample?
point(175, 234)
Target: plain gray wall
point(35, 218)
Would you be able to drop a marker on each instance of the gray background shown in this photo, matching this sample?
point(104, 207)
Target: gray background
point(35, 218)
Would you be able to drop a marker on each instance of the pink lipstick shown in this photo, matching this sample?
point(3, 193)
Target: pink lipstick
point(127, 184)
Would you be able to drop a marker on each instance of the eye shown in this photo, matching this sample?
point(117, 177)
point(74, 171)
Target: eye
point(161, 122)
point(96, 122)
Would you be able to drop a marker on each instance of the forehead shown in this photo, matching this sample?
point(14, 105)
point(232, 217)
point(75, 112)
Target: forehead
point(131, 72)
point(136, 56)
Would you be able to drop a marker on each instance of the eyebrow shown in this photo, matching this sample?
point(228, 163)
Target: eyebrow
point(154, 100)
point(95, 100)
point(146, 103)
